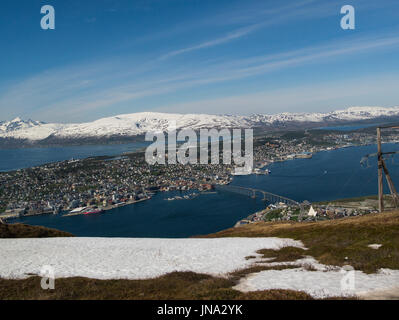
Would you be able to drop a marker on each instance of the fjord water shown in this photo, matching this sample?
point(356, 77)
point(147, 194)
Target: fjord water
point(158, 217)
point(14, 159)
point(328, 175)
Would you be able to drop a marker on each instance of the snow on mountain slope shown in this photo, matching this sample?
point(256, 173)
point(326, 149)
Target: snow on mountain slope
point(18, 124)
point(320, 283)
point(350, 114)
point(129, 258)
point(146, 258)
point(140, 123)
point(124, 125)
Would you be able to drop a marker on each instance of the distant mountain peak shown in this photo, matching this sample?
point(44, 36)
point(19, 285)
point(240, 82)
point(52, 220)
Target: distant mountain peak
point(17, 119)
point(134, 124)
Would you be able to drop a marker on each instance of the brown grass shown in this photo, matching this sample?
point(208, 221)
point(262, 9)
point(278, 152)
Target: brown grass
point(329, 241)
point(336, 242)
point(242, 273)
point(283, 255)
point(174, 286)
point(26, 231)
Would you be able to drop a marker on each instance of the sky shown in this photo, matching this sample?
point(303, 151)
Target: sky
point(110, 57)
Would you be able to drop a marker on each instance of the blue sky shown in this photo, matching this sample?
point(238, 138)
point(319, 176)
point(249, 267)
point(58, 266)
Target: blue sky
point(195, 56)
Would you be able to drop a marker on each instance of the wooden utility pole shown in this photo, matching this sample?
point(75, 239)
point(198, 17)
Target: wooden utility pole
point(383, 168)
point(380, 167)
point(391, 186)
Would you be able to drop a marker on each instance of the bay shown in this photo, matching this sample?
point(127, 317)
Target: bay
point(158, 217)
point(329, 175)
point(14, 159)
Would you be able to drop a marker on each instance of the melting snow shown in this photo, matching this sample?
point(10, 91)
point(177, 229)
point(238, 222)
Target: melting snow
point(117, 258)
point(323, 282)
point(127, 258)
point(375, 246)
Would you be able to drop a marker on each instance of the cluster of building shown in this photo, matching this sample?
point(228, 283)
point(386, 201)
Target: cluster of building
point(288, 146)
point(337, 212)
point(304, 212)
point(95, 182)
point(67, 185)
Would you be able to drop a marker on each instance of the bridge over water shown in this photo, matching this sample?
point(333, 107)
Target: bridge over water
point(253, 193)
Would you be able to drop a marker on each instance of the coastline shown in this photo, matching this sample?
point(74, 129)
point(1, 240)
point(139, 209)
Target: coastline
point(110, 207)
point(231, 179)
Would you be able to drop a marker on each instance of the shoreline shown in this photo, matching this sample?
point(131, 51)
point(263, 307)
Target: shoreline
point(108, 208)
point(264, 165)
point(104, 209)
point(141, 150)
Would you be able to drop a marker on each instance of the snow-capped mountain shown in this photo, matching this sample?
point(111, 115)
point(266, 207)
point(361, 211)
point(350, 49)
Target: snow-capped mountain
point(122, 125)
point(18, 124)
point(139, 123)
point(350, 114)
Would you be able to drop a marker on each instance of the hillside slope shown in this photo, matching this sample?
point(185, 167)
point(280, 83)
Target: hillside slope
point(337, 242)
point(273, 272)
point(14, 231)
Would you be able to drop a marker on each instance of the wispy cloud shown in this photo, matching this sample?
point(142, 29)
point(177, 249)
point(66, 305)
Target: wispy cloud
point(79, 92)
point(227, 38)
point(264, 17)
point(378, 90)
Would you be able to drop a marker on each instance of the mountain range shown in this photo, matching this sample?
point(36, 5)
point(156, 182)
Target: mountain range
point(136, 124)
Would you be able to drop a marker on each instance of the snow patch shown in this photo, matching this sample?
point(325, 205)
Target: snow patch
point(375, 246)
point(128, 258)
point(323, 282)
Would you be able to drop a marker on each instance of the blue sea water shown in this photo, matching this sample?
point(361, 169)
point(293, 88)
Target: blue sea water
point(328, 175)
point(14, 159)
point(158, 217)
point(351, 127)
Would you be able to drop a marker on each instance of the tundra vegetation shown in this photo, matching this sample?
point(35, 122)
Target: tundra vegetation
point(333, 242)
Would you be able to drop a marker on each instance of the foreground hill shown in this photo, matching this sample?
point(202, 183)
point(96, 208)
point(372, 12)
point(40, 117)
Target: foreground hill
point(269, 268)
point(12, 231)
point(337, 242)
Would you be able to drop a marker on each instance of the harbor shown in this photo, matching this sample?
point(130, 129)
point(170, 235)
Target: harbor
point(320, 179)
point(96, 210)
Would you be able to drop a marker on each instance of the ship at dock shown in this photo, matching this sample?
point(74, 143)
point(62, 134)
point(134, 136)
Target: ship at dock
point(93, 211)
point(84, 211)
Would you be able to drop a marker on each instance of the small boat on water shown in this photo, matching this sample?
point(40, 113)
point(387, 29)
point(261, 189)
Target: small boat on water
point(258, 171)
point(185, 197)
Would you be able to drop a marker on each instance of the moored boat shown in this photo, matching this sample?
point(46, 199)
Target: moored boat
point(93, 211)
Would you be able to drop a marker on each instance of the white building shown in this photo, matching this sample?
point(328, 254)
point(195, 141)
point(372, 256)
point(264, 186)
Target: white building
point(312, 212)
